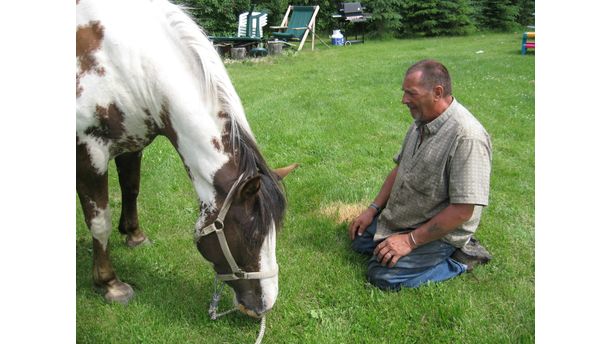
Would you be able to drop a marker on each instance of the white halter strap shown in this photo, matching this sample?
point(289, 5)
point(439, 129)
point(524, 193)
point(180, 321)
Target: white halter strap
point(217, 227)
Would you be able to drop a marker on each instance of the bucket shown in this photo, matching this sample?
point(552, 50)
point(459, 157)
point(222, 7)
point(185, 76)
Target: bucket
point(337, 38)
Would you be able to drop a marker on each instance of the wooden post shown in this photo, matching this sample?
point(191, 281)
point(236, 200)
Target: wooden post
point(238, 53)
point(219, 50)
point(275, 48)
point(314, 25)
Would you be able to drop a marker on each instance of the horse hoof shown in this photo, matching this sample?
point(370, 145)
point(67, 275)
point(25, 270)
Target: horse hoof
point(132, 242)
point(119, 292)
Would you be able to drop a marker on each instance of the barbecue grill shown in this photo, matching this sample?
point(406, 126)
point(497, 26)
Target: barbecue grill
point(352, 13)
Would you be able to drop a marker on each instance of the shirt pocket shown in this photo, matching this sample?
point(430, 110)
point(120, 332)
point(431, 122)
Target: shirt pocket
point(424, 178)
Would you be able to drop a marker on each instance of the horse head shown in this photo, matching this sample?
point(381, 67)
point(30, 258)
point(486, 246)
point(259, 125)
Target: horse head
point(249, 212)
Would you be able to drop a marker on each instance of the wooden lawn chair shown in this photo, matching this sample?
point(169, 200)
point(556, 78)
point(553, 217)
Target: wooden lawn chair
point(297, 26)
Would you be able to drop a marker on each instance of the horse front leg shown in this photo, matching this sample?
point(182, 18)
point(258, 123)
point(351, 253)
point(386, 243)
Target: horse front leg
point(128, 168)
point(92, 188)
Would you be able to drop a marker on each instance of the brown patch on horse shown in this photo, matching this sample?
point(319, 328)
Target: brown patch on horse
point(91, 186)
point(111, 120)
point(128, 170)
point(343, 212)
point(228, 147)
point(79, 88)
point(134, 143)
point(88, 41)
point(226, 135)
point(208, 211)
point(169, 132)
point(103, 271)
point(152, 129)
point(110, 126)
point(216, 144)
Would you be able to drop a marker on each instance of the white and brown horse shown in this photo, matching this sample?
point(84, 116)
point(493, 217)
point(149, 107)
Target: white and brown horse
point(144, 68)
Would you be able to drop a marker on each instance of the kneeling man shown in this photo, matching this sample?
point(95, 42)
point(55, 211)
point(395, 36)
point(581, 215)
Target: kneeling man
point(431, 202)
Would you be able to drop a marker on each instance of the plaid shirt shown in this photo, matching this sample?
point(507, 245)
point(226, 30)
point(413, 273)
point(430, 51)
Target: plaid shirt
point(447, 160)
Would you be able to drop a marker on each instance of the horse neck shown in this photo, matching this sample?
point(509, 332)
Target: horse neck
point(201, 138)
point(202, 106)
point(208, 122)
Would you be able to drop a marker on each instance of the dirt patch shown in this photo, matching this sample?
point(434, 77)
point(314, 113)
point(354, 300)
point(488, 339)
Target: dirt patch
point(343, 212)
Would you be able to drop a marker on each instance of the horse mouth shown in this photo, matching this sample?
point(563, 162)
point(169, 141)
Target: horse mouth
point(249, 312)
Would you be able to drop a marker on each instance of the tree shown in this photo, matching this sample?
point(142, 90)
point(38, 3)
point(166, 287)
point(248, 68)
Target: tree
point(497, 15)
point(219, 17)
point(526, 9)
point(436, 18)
point(386, 16)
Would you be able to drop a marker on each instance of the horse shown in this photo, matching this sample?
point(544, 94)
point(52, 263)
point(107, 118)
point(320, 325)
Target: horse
point(144, 69)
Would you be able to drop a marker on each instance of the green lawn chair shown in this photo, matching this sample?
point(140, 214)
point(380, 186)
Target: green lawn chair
point(297, 27)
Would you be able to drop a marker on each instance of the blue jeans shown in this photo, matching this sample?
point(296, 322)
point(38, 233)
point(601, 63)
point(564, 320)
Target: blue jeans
point(429, 262)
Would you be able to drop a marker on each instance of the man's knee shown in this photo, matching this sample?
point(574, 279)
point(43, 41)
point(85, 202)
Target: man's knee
point(395, 278)
point(379, 276)
point(363, 245)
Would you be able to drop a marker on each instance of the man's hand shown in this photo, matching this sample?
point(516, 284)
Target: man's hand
point(392, 249)
point(359, 225)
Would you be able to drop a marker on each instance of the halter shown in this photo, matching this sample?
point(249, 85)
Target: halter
point(237, 273)
point(217, 227)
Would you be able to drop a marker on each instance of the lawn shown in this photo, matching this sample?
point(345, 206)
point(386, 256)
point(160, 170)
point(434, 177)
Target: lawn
point(338, 113)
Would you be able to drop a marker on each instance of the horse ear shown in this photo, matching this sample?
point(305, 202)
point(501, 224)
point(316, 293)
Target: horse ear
point(284, 171)
point(250, 187)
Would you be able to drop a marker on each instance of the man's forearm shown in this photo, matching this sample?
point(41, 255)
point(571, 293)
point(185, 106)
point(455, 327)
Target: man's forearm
point(440, 225)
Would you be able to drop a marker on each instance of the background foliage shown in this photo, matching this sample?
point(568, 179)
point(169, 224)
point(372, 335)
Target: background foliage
point(390, 18)
point(437, 18)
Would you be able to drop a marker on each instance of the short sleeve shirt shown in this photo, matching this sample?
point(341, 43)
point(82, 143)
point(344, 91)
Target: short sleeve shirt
point(447, 160)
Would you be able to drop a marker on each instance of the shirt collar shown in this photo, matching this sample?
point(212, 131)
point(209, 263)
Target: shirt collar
point(432, 127)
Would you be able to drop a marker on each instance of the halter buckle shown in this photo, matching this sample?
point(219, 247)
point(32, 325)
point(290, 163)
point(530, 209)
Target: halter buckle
point(218, 224)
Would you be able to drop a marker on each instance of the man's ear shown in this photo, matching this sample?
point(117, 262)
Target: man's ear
point(284, 171)
point(438, 92)
point(250, 187)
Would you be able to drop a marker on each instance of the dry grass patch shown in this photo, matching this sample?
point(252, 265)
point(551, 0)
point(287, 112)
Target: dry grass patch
point(343, 212)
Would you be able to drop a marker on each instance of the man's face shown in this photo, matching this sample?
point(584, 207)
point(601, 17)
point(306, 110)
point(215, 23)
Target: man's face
point(419, 100)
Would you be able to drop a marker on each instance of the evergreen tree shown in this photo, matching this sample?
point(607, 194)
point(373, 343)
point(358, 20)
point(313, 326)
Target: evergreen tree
point(498, 15)
point(436, 18)
point(526, 9)
point(218, 17)
point(386, 16)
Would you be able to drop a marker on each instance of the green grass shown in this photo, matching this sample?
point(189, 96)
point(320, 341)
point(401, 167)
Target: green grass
point(338, 113)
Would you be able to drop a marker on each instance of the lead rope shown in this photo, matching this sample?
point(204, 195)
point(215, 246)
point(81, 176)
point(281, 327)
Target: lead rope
point(262, 330)
point(214, 305)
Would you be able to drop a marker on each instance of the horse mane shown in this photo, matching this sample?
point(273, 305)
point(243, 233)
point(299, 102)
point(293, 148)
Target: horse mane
point(215, 84)
point(271, 203)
